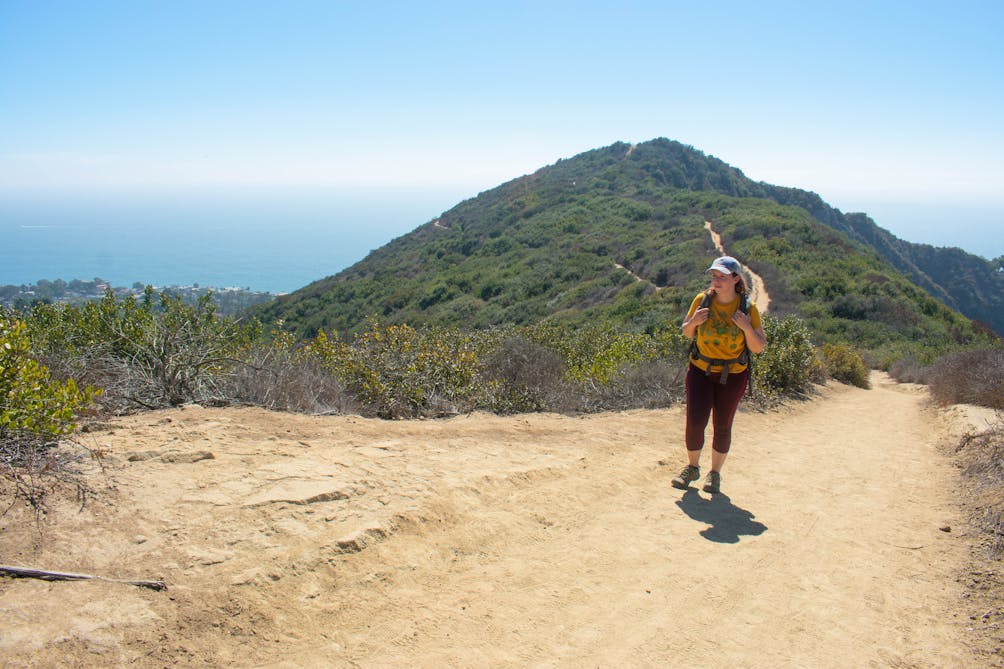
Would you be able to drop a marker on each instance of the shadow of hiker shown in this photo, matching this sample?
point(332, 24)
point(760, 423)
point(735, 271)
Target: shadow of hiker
point(728, 522)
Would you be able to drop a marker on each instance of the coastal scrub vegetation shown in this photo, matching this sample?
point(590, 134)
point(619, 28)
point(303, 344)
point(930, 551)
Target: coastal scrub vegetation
point(159, 351)
point(118, 355)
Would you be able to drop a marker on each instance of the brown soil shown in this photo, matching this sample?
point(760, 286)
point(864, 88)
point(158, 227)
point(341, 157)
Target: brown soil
point(526, 541)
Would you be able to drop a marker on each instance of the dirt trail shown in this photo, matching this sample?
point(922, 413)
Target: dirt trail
point(484, 541)
point(758, 289)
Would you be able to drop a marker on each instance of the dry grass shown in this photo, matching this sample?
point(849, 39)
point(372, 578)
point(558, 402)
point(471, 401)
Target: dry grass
point(982, 459)
point(31, 470)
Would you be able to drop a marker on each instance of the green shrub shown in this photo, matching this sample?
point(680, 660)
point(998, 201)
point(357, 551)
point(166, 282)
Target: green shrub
point(844, 364)
point(30, 401)
point(788, 365)
point(596, 354)
point(399, 372)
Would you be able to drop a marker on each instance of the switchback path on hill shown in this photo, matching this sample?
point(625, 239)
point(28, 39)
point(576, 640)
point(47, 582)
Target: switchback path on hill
point(526, 541)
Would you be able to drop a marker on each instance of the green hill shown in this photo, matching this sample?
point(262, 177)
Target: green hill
point(617, 235)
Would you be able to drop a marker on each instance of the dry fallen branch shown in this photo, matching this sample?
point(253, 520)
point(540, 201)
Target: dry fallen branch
point(22, 572)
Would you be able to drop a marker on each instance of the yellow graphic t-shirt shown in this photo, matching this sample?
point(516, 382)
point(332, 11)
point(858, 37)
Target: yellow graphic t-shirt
point(720, 338)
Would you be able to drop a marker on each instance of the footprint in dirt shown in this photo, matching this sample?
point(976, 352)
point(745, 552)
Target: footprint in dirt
point(727, 521)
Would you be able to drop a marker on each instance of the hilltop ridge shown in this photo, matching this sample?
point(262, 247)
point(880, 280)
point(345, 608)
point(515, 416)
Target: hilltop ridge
point(555, 244)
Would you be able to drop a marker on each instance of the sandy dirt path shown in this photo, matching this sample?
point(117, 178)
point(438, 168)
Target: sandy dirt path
point(484, 541)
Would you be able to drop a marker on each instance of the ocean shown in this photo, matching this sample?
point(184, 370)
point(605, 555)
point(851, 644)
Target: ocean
point(279, 241)
point(271, 242)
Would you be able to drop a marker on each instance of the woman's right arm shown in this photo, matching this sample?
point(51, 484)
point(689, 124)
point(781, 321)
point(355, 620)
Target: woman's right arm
point(690, 325)
point(693, 321)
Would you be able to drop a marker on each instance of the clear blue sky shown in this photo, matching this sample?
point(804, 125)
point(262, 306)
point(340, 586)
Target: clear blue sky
point(893, 108)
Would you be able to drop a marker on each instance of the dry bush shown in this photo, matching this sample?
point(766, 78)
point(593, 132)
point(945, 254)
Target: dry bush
point(523, 376)
point(282, 380)
point(129, 387)
point(649, 384)
point(971, 376)
point(97, 370)
point(909, 370)
point(991, 523)
point(265, 376)
point(983, 468)
point(32, 468)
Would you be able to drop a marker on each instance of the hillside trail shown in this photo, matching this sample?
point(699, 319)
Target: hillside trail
point(758, 289)
point(291, 541)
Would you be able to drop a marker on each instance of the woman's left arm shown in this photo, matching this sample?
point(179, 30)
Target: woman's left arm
point(756, 340)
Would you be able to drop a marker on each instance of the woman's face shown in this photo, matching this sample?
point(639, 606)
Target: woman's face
point(721, 280)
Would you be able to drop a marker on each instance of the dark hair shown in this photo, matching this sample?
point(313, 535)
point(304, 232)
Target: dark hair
point(741, 286)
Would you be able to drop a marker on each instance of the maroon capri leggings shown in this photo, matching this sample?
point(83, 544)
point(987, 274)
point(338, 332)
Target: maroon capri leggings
point(706, 396)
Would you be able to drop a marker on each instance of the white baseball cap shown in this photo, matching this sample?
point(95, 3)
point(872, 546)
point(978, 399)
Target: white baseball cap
point(726, 265)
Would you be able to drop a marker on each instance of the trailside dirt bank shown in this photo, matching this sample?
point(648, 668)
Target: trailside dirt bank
point(526, 541)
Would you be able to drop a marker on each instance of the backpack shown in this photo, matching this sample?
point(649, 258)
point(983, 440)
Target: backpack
point(743, 358)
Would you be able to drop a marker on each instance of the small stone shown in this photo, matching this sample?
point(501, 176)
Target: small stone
point(143, 455)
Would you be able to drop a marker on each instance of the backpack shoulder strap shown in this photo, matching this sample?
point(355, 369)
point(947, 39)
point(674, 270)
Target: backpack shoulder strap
point(744, 357)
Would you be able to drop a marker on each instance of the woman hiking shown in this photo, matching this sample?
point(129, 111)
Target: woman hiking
point(725, 328)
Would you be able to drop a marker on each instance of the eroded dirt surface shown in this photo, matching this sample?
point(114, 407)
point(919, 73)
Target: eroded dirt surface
point(483, 541)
